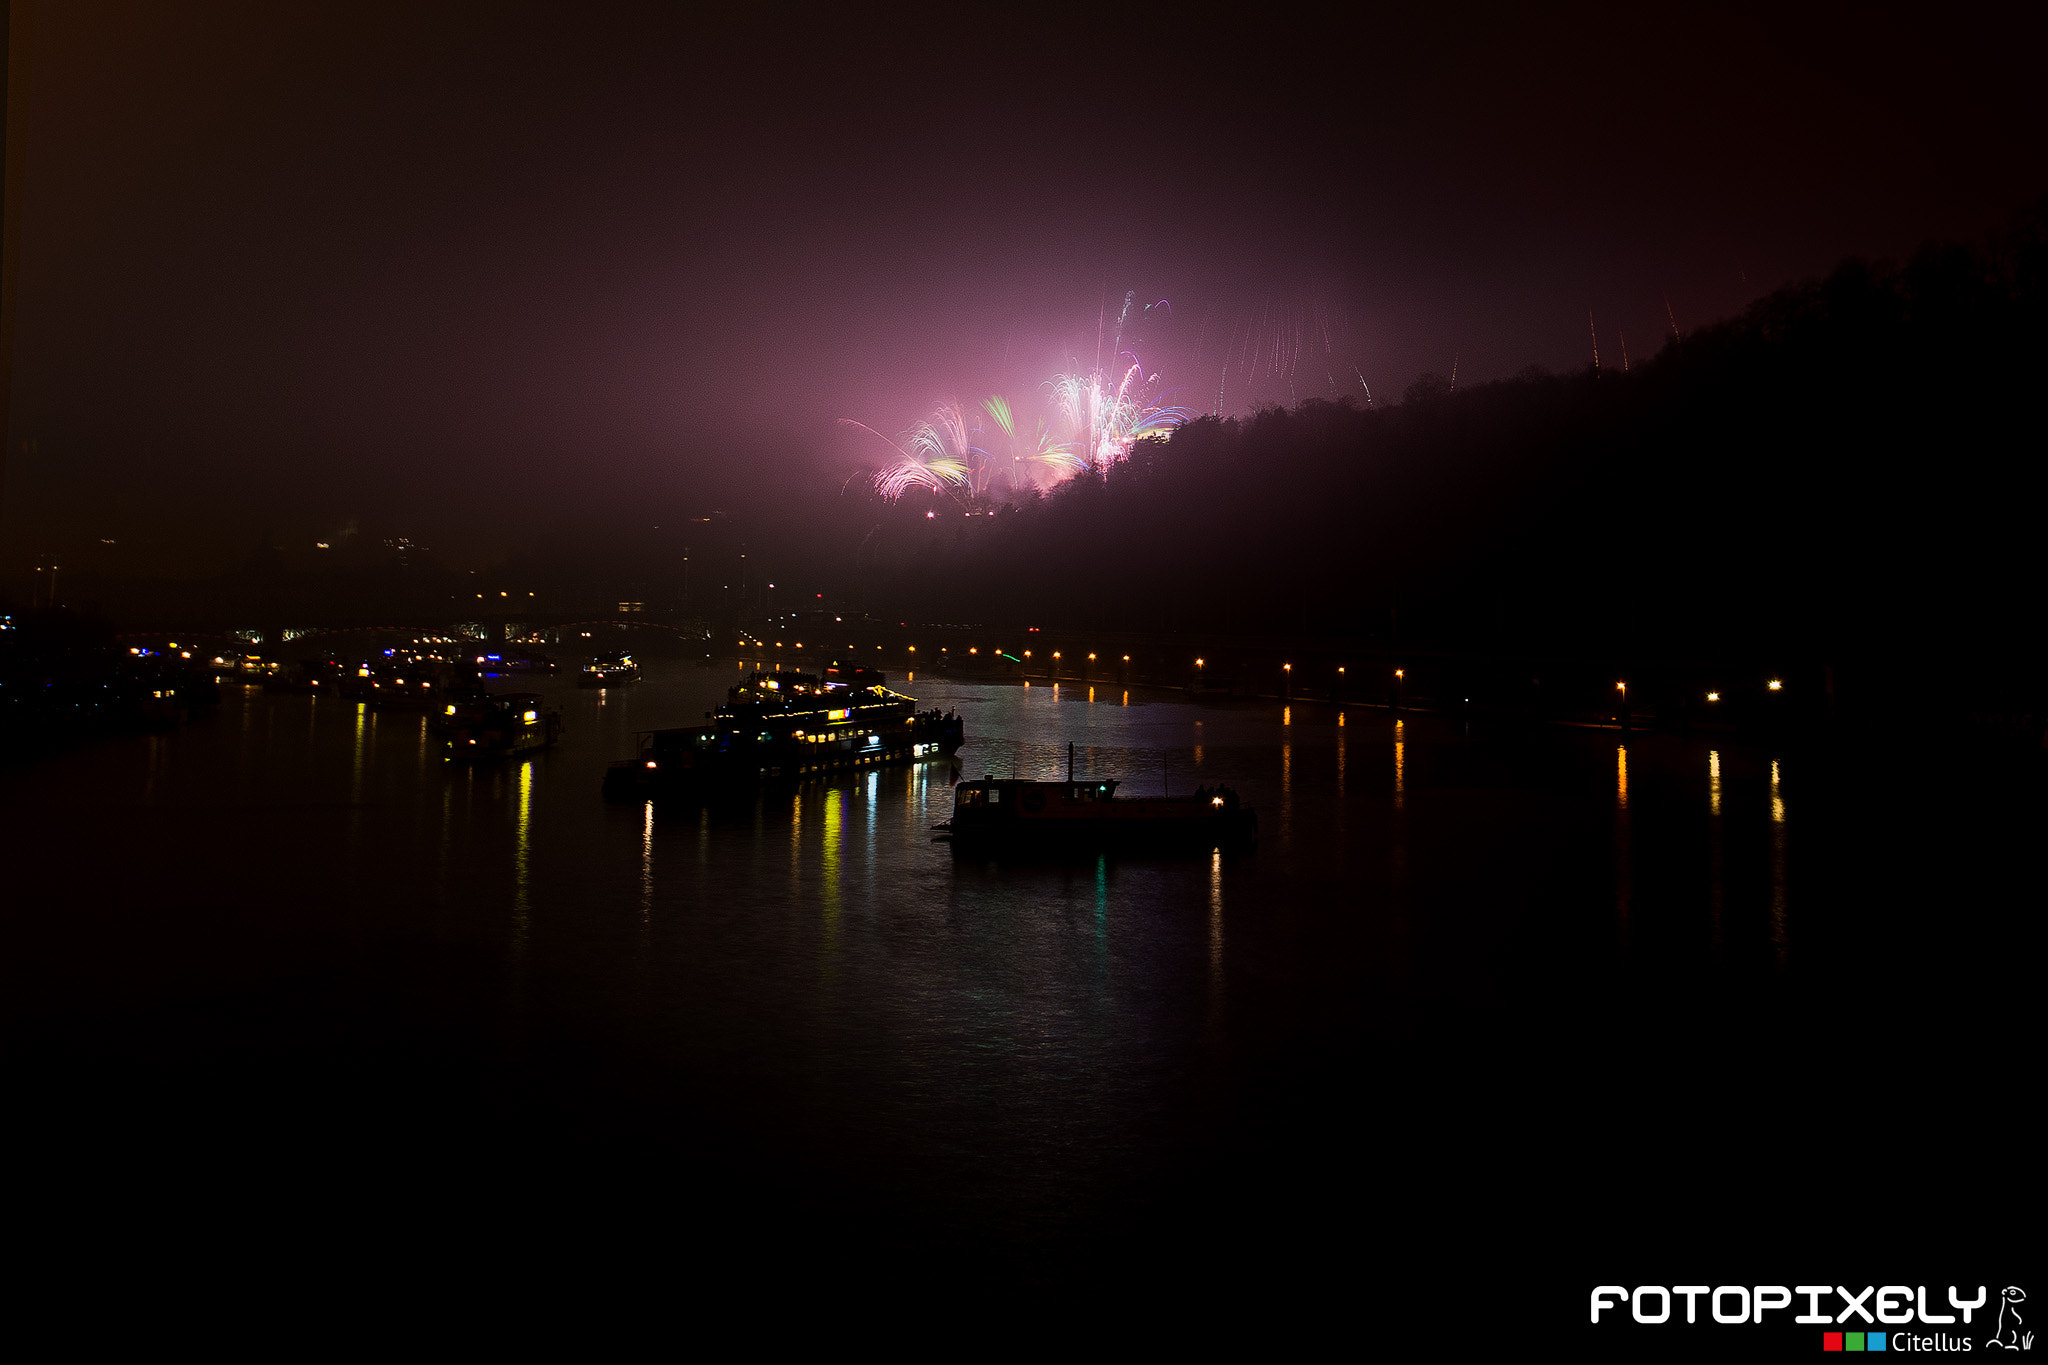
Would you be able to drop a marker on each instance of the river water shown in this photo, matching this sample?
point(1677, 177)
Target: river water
point(285, 969)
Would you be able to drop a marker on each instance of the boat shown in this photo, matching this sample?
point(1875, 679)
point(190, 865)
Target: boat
point(512, 661)
point(312, 676)
point(1017, 812)
point(609, 670)
point(497, 725)
point(407, 685)
point(785, 725)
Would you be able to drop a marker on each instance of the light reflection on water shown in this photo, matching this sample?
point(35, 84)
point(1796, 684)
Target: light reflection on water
point(1069, 995)
point(1781, 936)
point(1624, 846)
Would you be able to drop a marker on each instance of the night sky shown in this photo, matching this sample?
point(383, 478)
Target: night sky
point(481, 273)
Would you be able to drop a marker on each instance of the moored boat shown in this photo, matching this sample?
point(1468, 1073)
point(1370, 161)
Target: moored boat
point(1022, 813)
point(609, 670)
point(490, 725)
point(786, 725)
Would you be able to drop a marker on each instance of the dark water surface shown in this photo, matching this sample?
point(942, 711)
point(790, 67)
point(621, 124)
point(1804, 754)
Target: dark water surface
point(1513, 1009)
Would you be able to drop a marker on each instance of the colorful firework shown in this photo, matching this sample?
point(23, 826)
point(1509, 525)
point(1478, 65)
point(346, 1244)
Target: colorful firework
point(1108, 413)
point(1094, 417)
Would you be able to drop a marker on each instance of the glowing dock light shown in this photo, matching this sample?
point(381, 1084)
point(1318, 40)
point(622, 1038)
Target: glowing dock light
point(1713, 696)
point(1775, 685)
point(1621, 687)
point(1287, 668)
point(1215, 800)
point(1198, 662)
point(1091, 658)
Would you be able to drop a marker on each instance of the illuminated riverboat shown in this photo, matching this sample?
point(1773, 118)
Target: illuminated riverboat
point(485, 725)
point(1019, 813)
point(609, 670)
point(786, 725)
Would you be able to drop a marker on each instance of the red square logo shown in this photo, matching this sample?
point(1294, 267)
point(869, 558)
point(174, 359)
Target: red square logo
point(1831, 1341)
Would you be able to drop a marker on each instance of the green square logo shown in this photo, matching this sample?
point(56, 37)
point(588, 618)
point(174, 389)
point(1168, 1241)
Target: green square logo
point(1852, 1341)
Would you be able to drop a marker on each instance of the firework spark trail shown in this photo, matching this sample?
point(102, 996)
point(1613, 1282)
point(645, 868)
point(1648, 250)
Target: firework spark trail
point(1098, 414)
point(1624, 349)
point(909, 471)
point(1596, 340)
point(1673, 320)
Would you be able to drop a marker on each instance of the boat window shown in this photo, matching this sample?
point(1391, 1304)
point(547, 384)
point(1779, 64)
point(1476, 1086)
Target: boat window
point(968, 796)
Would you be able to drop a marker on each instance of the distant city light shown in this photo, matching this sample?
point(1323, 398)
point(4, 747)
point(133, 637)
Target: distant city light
point(1775, 685)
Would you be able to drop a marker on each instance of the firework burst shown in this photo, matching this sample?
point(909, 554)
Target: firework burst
point(1092, 419)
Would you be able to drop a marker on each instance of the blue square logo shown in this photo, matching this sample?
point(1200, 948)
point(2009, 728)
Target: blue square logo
point(1873, 1341)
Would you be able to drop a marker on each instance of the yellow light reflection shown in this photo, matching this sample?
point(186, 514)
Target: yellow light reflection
point(355, 788)
point(1400, 778)
point(1781, 935)
point(1624, 869)
point(522, 849)
point(1286, 789)
point(647, 862)
point(1215, 931)
point(829, 862)
point(1715, 855)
